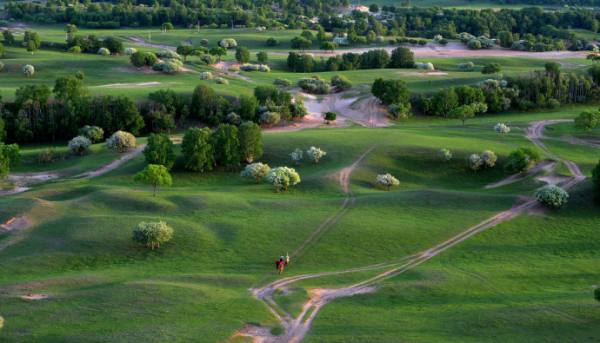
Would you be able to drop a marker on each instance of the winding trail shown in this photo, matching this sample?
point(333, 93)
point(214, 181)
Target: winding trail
point(24, 181)
point(295, 329)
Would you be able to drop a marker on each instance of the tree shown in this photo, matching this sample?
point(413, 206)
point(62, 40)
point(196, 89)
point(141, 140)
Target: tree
point(143, 59)
point(206, 105)
point(328, 46)
point(28, 70)
point(300, 43)
point(340, 82)
point(228, 43)
point(251, 145)
point(315, 154)
point(185, 51)
point(79, 145)
point(247, 107)
point(9, 38)
point(114, 45)
point(152, 234)
point(552, 196)
point(402, 58)
point(242, 54)
point(330, 116)
point(594, 73)
point(505, 39)
point(489, 158)
point(94, 133)
point(9, 157)
point(226, 143)
point(283, 177)
point(166, 27)
point(262, 57)
point(271, 41)
point(391, 91)
point(387, 181)
point(491, 68)
point(31, 41)
point(218, 51)
point(588, 120)
point(522, 159)
point(475, 162)
point(552, 68)
point(256, 171)
point(445, 155)
point(198, 152)
point(159, 150)
point(465, 112)
point(596, 178)
point(1, 51)
point(121, 141)
point(69, 88)
point(296, 155)
point(155, 175)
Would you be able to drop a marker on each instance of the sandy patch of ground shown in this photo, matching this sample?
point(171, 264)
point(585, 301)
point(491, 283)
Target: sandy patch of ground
point(365, 111)
point(142, 42)
point(114, 164)
point(14, 223)
point(224, 66)
point(35, 296)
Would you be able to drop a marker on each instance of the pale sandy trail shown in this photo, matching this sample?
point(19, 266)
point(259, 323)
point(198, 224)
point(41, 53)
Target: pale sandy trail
point(544, 166)
point(297, 328)
point(23, 181)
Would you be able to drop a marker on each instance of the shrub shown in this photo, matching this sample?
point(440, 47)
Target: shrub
point(467, 66)
point(588, 120)
point(1, 66)
point(387, 181)
point(94, 133)
point(168, 54)
point(103, 52)
point(272, 41)
point(233, 118)
point(152, 234)
point(79, 145)
point(155, 175)
point(270, 118)
point(283, 177)
point(221, 81)
point(491, 68)
point(255, 67)
point(228, 43)
point(425, 65)
point(28, 70)
point(121, 141)
point(47, 155)
point(282, 82)
point(475, 162)
point(74, 49)
point(341, 82)
point(522, 159)
point(330, 116)
point(130, 51)
point(489, 158)
point(552, 196)
point(399, 111)
point(256, 171)
point(314, 85)
point(315, 154)
point(206, 75)
point(445, 155)
point(168, 66)
point(296, 155)
point(501, 128)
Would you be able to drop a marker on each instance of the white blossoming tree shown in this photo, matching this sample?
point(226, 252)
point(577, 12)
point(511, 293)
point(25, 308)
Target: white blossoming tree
point(552, 196)
point(283, 177)
point(315, 154)
point(475, 162)
point(121, 141)
point(445, 155)
point(501, 128)
point(297, 155)
point(489, 158)
point(79, 145)
point(256, 171)
point(387, 181)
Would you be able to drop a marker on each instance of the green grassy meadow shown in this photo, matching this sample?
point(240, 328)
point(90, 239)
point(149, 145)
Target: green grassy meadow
point(496, 286)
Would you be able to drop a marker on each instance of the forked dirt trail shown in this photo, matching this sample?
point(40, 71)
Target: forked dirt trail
point(295, 329)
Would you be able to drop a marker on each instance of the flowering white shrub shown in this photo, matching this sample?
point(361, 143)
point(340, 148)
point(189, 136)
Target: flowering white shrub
point(425, 65)
point(270, 118)
point(79, 145)
point(488, 158)
point(315, 154)
point(445, 155)
point(552, 196)
point(475, 162)
point(130, 51)
point(255, 67)
point(387, 181)
point(283, 177)
point(256, 171)
point(28, 70)
point(103, 52)
point(296, 155)
point(228, 43)
point(121, 141)
point(221, 81)
point(206, 75)
point(168, 54)
point(501, 128)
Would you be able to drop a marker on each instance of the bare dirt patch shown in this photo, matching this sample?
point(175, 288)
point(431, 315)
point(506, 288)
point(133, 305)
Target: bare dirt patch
point(130, 85)
point(14, 223)
point(365, 111)
point(35, 296)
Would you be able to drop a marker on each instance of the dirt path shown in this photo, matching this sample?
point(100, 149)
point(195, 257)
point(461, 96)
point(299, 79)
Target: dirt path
point(544, 166)
point(142, 42)
point(127, 156)
point(295, 329)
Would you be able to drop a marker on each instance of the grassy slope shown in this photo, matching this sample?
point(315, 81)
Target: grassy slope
point(80, 251)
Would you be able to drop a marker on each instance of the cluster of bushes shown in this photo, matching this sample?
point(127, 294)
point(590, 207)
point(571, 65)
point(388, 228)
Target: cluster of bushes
point(394, 94)
point(314, 85)
point(313, 154)
point(165, 61)
point(41, 114)
point(548, 89)
point(255, 67)
point(472, 42)
point(373, 59)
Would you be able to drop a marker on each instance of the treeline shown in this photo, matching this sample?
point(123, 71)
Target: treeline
point(373, 59)
point(41, 114)
point(543, 89)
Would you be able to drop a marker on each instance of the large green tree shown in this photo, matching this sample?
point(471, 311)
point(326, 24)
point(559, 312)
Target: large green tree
point(159, 150)
point(198, 152)
point(226, 143)
point(155, 175)
point(251, 144)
